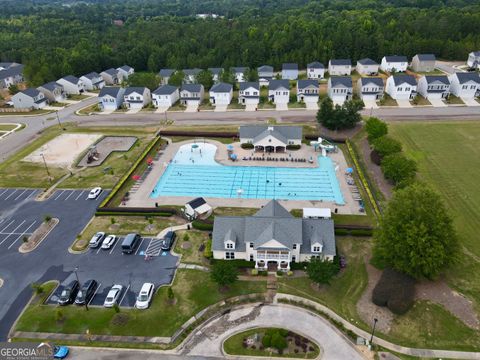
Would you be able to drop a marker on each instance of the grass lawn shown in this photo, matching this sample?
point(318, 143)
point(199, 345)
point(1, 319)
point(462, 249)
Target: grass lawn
point(183, 138)
point(177, 107)
point(421, 101)
point(58, 104)
point(454, 100)
point(266, 105)
point(296, 105)
point(387, 101)
point(77, 97)
point(189, 249)
point(33, 112)
point(7, 127)
point(206, 104)
point(234, 211)
point(193, 291)
point(89, 109)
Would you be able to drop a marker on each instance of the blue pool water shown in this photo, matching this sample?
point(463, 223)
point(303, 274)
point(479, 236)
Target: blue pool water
point(194, 172)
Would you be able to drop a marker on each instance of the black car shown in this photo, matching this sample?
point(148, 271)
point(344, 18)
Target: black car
point(86, 292)
point(168, 240)
point(69, 293)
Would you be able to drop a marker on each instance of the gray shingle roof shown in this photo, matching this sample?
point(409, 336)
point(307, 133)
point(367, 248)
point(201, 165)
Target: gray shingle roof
point(165, 90)
point(32, 92)
point(166, 72)
point(132, 89)
point(276, 84)
point(51, 86)
point(239, 69)
point(216, 70)
point(72, 79)
point(7, 65)
point(247, 84)
point(378, 81)
point(126, 68)
point(194, 71)
point(13, 70)
point(273, 208)
point(302, 84)
point(265, 68)
point(316, 65)
point(437, 78)
point(400, 79)
point(344, 62)
point(426, 57)
point(288, 132)
point(191, 87)
point(109, 90)
point(464, 77)
point(367, 61)
point(221, 88)
point(476, 53)
point(289, 66)
point(396, 58)
point(111, 71)
point(92, 75)
point(341, 81)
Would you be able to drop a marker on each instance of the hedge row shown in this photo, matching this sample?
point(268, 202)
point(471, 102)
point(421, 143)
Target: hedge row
point(341, 140)
point(202, 225)
point(354, 232)
point(237, 262)
point(129, 213)
point(247, 146)
point(183, 133)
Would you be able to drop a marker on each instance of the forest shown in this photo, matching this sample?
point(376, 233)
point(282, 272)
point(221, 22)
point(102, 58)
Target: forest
point(55, 38)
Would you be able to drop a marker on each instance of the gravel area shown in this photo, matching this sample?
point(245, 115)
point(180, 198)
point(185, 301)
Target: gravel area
point(107, 145)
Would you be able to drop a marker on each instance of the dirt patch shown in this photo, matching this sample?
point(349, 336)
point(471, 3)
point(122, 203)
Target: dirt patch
point(150, 228)
point(186, 245)
point(38, 235)
point(114, 227)
point(108, 145)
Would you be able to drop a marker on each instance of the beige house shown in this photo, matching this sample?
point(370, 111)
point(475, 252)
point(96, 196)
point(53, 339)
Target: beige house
point(423, 62)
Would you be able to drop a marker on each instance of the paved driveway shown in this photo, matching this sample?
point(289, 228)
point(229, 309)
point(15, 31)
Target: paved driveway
point(404, 103)
point(370, 104)
point(470, 102)
point(251, 107)
point(281, 107)
point(220, 108)
point(191, 108)
point(311, 105)
point(437, 103)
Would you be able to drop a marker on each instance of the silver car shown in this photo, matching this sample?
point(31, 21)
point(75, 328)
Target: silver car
point(96, 240)
point(113, 296)
point(109, 241)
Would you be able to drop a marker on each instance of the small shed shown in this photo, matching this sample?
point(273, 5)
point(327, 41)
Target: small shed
point(317, 213)
point(197, 207)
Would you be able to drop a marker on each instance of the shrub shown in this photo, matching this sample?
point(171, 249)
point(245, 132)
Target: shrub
point(47, 218)
point(38, 288)
point(267, 340)
point(224, 273)
point(207, 252)
point(279, 273)
point(341, 232)
point(116, 308)
point(361, 232)
point(170, 293)
point(59, 315)
point(294, 147)
point(322, 271)
point(375, 157)
point(394, 290)
point(112, 220)
point(202, 225)
point(399, 169)
point(238, 263)
point(247, 146)
point(283, 332)
point(385, 146)
point(279, 342)
point(254, 272)
point(186, 237)
point(375, 128)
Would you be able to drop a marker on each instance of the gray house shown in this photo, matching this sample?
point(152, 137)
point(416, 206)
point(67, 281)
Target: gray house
point(279, 91)
point(367, 67)
point(124, 72)
point(273, 238)
point(191, 94)
point(29, 99)
point(249, 93)
point(110, 98)
point(53, 91)
point(307, 90)
point(191, 75)
point(10, 74)
point(423, 62)
point(339, 67)
point(239, 73)
point(434, 87)
point(110, 76)
point(216, 73)
point(370, 88)
point(290, 71)
point(92, 81)
point(265, 74)
point(315, 70)
point(165, 75)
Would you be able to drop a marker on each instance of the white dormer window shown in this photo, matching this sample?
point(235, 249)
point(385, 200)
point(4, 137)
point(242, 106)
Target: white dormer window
point(251, 245)
point(317, 248)
point(294, 246)
point(229, 246)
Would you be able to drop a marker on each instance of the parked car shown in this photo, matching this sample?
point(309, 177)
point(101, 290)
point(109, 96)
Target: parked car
point(86, 292)
point(130, 243)
point(168, 240)
point(68, 294)
point(113, 296)
point(109, 241)
point(94, 192)
point(60, 352)
point(145, 296)
point(96, 240)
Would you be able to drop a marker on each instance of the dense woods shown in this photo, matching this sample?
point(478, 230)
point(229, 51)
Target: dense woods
point(56, 38)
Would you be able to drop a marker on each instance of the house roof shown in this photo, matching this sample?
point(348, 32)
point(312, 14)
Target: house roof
point(7, 65)
point(367, 61)
point(426, 57)
point(265, 68)
point(165, 90)
point(92, 75)
point(343, 62)
point(302, 84)
point(273, 208)
point(276, 84)
point(247, 84)
point(215, 70)
point(341, 81)
point(395, 58)
point(192, 87)
point(197, 202)
point(221, 88)
point(32, 92)
point(51, 86)
point(288, 132)
point(166, 72)
point(400, 79)
point(437, 78)
point(316, 65)
point(71, 79)
point(111, 71)
point(109, 90)
point(378, 81)
point(290, 66)
point(194, 71)
point(239, 69)
point(134, 89)
point(464, 77)
point(13, 70)
point(126, 68)
point(476, 53)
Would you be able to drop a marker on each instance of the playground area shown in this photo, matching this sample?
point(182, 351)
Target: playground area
point(100, 151)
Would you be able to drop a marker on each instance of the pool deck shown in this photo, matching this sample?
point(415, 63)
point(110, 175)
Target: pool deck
point(141, 197)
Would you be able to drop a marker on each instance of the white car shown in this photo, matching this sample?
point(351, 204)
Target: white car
point(145, 296)
point(94, 193)
point(109, 241)
point(96, 240)
point(113, 296)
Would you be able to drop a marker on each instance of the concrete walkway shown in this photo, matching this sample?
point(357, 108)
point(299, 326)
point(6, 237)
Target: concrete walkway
point(470, 102)
point(162, 233)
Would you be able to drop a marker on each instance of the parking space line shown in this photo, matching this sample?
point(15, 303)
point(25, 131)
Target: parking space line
point(13, 232)
point(1, 231)
point(31, 194)
point(116, 242)
point(61, 192)
point(95, 293)
point(14, 191)
point(79, 195)
point(22, 234)
point(23, 192)
point(70, 194)
point(4, 191)
point(124, 294)
point(138, 248)
point(100, 247)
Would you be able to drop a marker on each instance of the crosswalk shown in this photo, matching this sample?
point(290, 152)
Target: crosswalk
point(154, 247)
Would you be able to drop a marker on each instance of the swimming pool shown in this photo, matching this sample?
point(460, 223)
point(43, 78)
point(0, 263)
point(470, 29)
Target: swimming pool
point(194, 172)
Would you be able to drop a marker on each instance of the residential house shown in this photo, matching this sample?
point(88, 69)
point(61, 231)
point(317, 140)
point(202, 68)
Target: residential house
point(307, 91)
point(110, 98)
point(290, 71)
point(340, 89)
point(249, 93)
point(221, 94)
point(239, 73)
point(370, 88)
point(165, 75)
point(279, 91)
point(10, 74)
point(367, 67)
point(473, 60)
point(273, 237)
point(423, 62)
point(315, 70)
point(191, 75)
point(339, 67)
point(124, 72)
point(71, 85)
point(110, 76)
point(401, 87)
point(394, 63)
point(216, 73)
point(265, 74)
point(137, 97)
point(165, 95)
point(29, 99)
point(92, 81)
point(270, 138)
point(53, 91)
point(465, 85)
point(434, 87)
point(191, 94)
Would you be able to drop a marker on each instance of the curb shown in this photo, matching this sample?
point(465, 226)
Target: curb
point(55, 223)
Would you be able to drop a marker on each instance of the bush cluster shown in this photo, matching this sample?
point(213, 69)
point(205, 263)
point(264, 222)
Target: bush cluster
point(294, 147)
point(395, 290)
point(202, 225)
point(247, 146)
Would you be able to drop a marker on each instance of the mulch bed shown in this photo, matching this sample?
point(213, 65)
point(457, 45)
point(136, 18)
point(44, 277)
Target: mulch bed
point(38, 235)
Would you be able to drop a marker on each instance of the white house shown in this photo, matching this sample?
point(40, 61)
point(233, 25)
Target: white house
point(367, 67)
point(423, 62)
point(239, 73)
point(191, 94)
point(110, 98)
point(165, 75)
point(249, 93)
point(92, 81)
point(290, 71)
point(72, 85)
point(273, 238)
point(307, 91)
point(315, 70)
point(279, 91)
point(190, 75)
point(465, 85)
point(339, 67)
point(110, 76)
point(216, 73)
point(124, 72)
point(265, 74)
point(395, 63)
point(473, 60)
point(270, 138)
point(11, 73)
point(137, 97)
point(340, 89)
point(196, 208)
point(434, 87)
point(370, 88)
point(165, 95)
point(221, 94)
point(29, 99)
point(53, 91)
point(401, 87)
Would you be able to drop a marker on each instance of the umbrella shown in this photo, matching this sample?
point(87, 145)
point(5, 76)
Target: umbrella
point(230, 147)
point(194, 146)
point(149, 161)
point(136, 177)
point(233, 156)
point(349, 170)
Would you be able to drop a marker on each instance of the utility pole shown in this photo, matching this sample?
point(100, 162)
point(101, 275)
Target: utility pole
point(85, 295)
point(58, 119)
point(46, 167)
point(373, 330)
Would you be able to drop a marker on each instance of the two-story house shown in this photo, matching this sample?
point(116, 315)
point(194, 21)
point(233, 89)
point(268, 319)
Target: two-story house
point(191, 94)
point(340, 89)
point(279, 91)
point(265, 74)
point(290, 71)
point(221, 94)
point(315, 70)
point(124, 72)
point(92, 81)
point(307, 91)
point(370, 88)
point(465, 85)
point(401, 87)
point(165, 96)
point(339, 67)
point(239, 73)
point(190, 75)
point(110, 98)
point(71, 85)
point(53, 91)
point(273, 237)
point(473, 60)
point(10, 74)
point(423, 63)
point(137, 97)
point(434, 87)
point(110, 76)
point(249, 93)
point(165, 75)
point(394, 63)
point(216, 73)
point(367, 67)
point(29, 99)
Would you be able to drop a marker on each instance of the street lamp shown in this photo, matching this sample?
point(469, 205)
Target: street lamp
point(58, 119)
point(76, 275)
point(46, 167)
point(373, 330)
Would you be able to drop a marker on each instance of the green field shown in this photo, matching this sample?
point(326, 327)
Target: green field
point(448, 156)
